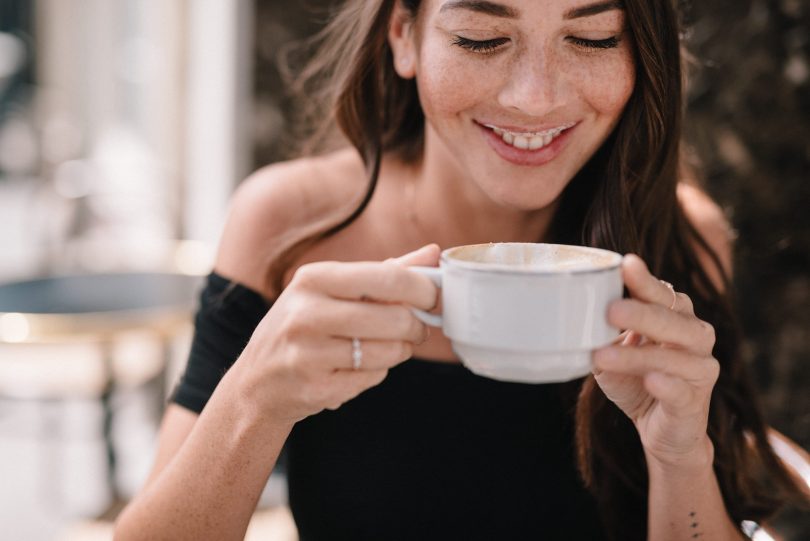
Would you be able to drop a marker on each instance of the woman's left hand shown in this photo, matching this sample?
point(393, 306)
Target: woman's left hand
point(662, 373)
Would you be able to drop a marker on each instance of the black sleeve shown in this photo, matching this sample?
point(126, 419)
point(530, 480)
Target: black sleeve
point(225, 320)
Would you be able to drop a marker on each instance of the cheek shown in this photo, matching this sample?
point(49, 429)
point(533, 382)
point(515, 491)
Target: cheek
point(607, 86)
point(448, 85)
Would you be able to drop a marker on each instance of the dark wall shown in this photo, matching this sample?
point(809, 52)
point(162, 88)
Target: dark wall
point(748, 123)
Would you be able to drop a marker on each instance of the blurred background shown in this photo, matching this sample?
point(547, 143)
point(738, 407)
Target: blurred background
point(125, 126)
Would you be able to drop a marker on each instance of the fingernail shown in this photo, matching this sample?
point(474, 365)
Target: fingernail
point(629, 338)
point(642, 263)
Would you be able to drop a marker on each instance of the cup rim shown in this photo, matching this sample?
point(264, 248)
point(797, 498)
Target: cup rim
point(478, 266)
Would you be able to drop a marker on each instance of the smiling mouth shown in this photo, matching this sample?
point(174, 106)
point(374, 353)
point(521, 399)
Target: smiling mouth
point(528, 140)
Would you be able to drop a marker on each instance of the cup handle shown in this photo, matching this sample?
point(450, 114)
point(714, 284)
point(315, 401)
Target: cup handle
point(435, 274)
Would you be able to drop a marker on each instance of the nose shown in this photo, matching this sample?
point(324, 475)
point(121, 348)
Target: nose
point(534, 84)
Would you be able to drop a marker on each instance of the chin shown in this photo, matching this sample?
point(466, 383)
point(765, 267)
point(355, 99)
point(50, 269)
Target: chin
point(522, 189)
point(522, 199)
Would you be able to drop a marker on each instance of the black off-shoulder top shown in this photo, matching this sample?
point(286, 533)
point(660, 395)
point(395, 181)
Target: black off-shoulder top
point(434, 452)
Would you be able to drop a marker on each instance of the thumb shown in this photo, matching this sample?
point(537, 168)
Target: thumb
point(427, 256)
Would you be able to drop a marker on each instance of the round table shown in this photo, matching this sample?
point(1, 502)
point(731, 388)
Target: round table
point(53, 308)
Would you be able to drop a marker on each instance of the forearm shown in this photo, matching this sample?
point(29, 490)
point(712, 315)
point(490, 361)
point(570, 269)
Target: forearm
point(685, 502)
point(210, 488)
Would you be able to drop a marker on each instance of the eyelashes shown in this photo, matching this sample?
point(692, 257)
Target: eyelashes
point(491, 45)
point(610, 43)
point(485, 46)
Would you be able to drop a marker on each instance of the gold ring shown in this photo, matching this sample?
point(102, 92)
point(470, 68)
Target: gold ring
point(674, 295)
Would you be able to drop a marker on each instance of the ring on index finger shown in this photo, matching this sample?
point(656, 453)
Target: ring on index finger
point(672, 290)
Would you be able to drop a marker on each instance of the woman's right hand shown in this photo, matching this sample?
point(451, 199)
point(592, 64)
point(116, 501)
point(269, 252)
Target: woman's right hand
point(299, 360)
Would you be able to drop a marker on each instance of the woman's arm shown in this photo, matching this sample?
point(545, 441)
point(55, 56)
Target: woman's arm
point(662, 377)
point(298, 362)
point(685, 501)
point(210, 470)
point(210, 481)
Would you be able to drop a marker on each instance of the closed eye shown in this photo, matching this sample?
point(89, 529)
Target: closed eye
point(609, 43)
point(485, 46)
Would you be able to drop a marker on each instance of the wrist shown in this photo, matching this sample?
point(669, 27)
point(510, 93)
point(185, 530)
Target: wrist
point(699, 458)
point(250, 404)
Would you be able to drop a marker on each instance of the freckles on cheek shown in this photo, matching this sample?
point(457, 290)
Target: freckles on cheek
point(446, 86)
point(608, 86)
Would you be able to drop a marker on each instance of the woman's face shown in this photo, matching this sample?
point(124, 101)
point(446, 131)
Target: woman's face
point(518, 94)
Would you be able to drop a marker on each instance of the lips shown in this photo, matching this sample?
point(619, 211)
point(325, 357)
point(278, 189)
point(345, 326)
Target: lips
point(529, 148)
point(531, 140)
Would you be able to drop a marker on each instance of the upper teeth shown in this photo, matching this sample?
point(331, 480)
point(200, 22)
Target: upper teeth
point(530, 140)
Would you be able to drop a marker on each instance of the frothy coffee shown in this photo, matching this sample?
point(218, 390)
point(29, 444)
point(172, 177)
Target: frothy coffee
point(526, 312)
point(536, 257)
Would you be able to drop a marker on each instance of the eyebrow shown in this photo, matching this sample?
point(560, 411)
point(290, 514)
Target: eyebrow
point(507, 12)
point(592, 9)
point(482, 6)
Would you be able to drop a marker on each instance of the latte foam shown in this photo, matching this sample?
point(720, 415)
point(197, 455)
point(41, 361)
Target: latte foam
point(536, 257)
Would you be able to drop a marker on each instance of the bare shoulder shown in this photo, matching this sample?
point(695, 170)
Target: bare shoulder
point(711, 222)
point(279, 204)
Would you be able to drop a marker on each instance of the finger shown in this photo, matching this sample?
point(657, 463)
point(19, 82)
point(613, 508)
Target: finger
point(427, 256)
point(640, 361)
point(662, 325)
point(384, 282)
point(628, 338)
point(364, 320)
point(674, 394)
point(338, 353)
point(646, 287)
point(621, 338)
point(632, 339)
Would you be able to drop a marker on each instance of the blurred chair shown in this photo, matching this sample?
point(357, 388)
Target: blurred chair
point(82, 384)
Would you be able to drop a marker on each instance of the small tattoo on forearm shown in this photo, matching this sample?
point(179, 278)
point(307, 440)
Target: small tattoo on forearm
point(694, 526)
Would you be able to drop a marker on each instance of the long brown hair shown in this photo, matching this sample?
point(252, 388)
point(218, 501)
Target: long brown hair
point(623, 199)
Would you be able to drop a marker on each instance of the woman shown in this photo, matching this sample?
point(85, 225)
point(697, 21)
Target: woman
point(469, 121)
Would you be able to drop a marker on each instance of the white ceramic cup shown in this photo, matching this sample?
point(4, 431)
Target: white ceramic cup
point(526, 312)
